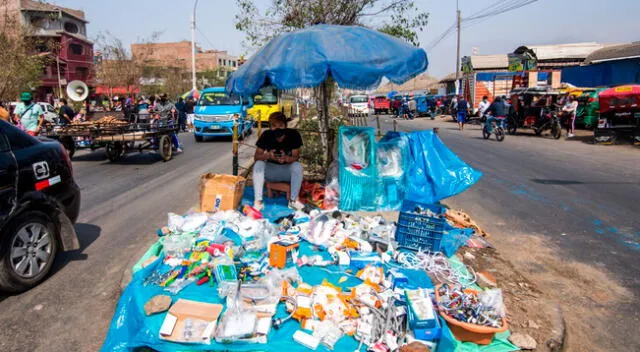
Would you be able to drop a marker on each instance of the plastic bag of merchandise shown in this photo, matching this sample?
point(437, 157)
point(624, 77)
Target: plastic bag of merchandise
point(194, 221)
point(332, 187)
point(492, 299)
point(211, 229)
point(175, 222)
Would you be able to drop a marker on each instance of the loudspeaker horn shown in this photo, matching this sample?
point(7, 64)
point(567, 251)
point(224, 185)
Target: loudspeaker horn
point(77, 90)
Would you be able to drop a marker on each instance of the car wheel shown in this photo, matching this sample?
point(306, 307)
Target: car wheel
point(198, 138)
point(28, 251)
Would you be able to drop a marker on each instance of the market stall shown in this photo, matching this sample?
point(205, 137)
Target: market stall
point(234, 279)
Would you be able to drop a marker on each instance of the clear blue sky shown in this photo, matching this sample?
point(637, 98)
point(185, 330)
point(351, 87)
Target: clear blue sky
point(543, 22)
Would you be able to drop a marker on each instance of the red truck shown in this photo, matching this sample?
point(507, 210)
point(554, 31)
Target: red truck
point(381, 104)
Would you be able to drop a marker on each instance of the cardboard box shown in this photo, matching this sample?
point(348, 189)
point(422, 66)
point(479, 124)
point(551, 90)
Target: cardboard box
point(220, 192)
point(173, 325)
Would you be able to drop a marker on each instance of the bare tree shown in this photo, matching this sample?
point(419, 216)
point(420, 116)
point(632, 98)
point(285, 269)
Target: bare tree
point(117, 67)
point(21, 62)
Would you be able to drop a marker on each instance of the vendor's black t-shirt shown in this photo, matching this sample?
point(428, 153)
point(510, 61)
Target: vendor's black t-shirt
point(281, 141)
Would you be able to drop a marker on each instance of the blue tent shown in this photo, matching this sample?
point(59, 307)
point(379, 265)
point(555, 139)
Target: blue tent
point(356, 57)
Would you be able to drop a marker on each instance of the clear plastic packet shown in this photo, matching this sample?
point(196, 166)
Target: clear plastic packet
point(175, 222)
point(492, 299)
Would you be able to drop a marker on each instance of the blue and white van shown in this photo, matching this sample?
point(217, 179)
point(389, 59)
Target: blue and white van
point(215, 111)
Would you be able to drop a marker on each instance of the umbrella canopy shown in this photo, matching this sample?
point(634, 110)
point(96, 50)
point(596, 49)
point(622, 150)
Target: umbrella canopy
point(356, 58)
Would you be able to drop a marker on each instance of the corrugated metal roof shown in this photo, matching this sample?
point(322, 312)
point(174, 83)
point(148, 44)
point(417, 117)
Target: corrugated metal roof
point(421, 82)
point(562, 51)
point(487, 62)
point(449, 78)
point(614, 52)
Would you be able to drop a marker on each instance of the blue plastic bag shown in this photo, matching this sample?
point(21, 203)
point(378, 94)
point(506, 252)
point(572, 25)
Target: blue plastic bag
point(436, 172)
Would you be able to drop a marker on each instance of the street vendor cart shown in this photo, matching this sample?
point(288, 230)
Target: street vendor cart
point(619, 114)
point(118, 136)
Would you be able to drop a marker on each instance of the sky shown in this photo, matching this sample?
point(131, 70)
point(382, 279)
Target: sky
point(543, 22)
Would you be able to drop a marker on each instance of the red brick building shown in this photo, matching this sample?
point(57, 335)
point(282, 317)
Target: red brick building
point(64, 36)
point(178, 55)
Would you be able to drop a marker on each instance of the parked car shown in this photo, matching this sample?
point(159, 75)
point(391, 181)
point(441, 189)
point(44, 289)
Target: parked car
point(39, 203)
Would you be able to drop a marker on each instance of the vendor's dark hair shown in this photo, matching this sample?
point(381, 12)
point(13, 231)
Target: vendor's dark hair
point(278, 116)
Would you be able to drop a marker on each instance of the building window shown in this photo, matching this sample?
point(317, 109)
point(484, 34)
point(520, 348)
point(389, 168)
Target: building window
point(234, 63)
point(219, 62)
point(83, 72)
point(76, 49)
point(71, 27)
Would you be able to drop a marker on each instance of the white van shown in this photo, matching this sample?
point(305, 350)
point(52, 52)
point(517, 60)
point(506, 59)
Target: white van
point(359, 104)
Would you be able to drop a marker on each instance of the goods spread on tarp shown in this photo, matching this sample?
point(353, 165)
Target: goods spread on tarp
point(326, 280)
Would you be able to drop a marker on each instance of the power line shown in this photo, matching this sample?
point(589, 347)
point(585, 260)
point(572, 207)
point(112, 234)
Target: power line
point(494, 9)
point(205, 37)
point(506, 7)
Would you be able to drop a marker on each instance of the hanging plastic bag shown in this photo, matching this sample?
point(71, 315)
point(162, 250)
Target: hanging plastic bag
point(436, 172)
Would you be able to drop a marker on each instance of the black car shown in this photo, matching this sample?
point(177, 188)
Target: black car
point(39, 203)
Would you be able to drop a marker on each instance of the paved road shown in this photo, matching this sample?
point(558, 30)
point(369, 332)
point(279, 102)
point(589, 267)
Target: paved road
point(122, 205)
point(583, 198)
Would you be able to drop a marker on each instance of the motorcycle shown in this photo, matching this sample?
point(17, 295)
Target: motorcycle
point(549, 120)
point(497, 127)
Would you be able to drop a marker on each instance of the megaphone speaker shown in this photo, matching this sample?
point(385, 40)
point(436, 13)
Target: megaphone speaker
point(77, 90)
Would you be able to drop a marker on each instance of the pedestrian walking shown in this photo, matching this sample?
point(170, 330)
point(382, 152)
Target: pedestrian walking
point(569, 115)
point(189, 108)
point(182, 115)
point(462, 108)
point(29, 115)
point(65, 116)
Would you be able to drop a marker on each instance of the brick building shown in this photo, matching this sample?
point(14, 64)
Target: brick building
point(63, 33)
point(178, 55)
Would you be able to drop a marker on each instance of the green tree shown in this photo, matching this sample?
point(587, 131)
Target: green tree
point(400, 18)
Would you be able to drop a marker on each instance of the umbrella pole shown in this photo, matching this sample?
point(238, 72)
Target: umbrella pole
point(324, 122)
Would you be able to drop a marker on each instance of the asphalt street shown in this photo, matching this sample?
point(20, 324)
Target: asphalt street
point(585, 199)
point(581, 198)
point(122, 206)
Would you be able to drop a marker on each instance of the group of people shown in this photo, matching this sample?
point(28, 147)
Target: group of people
point(142, 108)
point(29, 115)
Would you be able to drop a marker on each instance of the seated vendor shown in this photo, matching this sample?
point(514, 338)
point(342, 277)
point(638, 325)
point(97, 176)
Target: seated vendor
point(277, 154)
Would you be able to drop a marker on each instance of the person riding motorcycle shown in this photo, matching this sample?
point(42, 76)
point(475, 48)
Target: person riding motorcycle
point(496, 112)
point(483, 107)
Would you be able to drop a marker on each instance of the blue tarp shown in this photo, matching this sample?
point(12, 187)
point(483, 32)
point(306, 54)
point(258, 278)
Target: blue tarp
point(130, 328)
point(356, 57)
point(436, 172)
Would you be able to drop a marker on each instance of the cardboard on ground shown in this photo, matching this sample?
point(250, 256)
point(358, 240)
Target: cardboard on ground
point(184, 309)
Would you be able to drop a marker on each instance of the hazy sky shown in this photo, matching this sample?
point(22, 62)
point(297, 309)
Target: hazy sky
point(543, 22)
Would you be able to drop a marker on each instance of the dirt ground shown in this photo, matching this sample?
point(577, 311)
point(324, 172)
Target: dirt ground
point(535, 280)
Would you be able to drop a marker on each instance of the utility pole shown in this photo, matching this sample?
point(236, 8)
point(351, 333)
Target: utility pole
point(193, 45)
point(459, 20)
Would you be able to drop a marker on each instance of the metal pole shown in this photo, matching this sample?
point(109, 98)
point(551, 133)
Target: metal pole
point(259, 123)
point(59, 82)
point(235, 146)
point(378, 124)
point(395, 125)
point(193, 46)
point(459, 20)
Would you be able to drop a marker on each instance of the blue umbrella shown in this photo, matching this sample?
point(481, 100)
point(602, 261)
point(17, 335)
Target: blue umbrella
point(356, 58)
